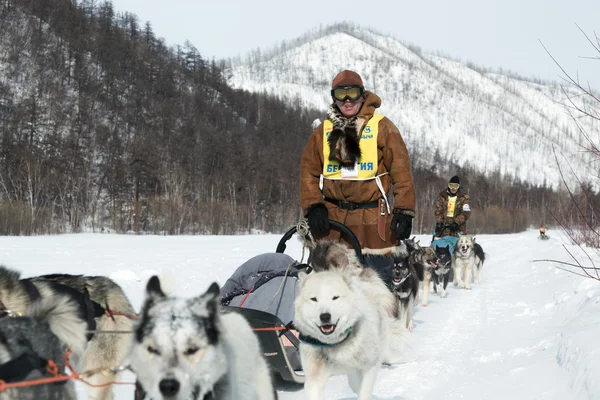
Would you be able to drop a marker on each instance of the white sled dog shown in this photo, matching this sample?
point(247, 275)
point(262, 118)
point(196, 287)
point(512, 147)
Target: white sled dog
point(345, 326)
point(467, 261)
point(189, 349)
point(99, 301)
point(28, 342)
point(328, 255)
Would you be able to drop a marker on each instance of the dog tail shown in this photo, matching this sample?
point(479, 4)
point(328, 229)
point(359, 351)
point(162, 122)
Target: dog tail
point(61, 314)
point(397, 350)
point(479, 252)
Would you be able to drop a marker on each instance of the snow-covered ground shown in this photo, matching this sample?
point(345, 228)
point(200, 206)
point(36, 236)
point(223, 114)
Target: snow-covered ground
point(528, 331)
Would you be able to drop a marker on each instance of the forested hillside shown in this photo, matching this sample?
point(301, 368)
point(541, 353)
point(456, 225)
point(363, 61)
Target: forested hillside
point(103, 126)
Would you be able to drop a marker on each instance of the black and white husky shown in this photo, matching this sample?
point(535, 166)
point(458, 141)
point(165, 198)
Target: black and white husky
point(405, 285)
point(189, 349)
point(442, 273)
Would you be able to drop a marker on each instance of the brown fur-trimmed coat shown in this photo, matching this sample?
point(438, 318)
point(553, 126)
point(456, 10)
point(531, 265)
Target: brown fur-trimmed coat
point(392, 157)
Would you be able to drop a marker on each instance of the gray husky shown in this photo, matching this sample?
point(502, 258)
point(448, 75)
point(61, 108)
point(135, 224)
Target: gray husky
point(424, 260)
point(101, 303)
point(467, 260)
point(189, 349)
point(49, 327)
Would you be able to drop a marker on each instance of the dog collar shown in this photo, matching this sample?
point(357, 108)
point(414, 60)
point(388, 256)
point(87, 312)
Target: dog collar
point(316, 342)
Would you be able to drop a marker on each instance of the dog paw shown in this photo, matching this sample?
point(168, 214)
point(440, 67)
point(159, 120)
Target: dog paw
point(410, 326)
point(467, 288)
point(443, 295)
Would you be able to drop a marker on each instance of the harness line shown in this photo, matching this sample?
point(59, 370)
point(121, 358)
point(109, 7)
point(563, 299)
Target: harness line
point(52, 369)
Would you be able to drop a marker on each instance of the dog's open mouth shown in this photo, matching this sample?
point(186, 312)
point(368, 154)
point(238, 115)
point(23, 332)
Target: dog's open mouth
point(327, 329)
point(397, 280)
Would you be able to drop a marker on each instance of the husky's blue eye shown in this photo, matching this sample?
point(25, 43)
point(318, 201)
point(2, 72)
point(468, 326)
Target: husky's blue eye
point(313, 298)
point(152, 350)
point(335, 297)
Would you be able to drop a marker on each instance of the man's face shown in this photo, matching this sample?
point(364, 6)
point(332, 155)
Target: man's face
point(349, 108)
point(453, 187)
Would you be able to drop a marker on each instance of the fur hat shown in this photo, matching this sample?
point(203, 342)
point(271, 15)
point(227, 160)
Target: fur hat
point(347, 78)
point(454, 179)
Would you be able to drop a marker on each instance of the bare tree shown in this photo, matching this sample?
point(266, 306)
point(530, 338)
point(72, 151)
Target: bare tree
point(581, 102)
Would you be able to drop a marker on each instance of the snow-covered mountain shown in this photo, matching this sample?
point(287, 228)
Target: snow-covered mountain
point(466, 114)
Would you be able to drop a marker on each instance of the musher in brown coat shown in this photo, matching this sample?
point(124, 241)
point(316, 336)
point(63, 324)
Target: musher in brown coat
point(349, 165)
point(452, 210)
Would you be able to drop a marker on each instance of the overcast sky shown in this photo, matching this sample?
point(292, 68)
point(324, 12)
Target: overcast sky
point(497, 34)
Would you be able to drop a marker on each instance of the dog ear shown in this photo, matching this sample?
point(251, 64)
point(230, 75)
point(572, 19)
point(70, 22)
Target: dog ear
point(205, 309)
point(153, 290)
point(154, 295)
point(206, 304)
point(213, 290)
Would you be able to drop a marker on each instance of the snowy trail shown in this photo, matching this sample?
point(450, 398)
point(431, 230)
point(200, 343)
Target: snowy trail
point(528, 331)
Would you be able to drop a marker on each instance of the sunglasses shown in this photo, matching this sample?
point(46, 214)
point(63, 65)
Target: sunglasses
point(453, 185)
point(351, 93)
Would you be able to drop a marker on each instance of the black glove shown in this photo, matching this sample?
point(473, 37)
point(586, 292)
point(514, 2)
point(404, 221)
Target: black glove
point(401, 226)
point(318, 219)
point(454, 227)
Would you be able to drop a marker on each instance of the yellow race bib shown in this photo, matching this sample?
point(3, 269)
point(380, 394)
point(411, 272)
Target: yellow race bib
point(451, 206)
point(366, 166)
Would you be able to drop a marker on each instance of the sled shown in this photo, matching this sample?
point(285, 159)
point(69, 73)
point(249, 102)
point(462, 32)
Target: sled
point(263, 290)
point(283, 360)
point(444, 241)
